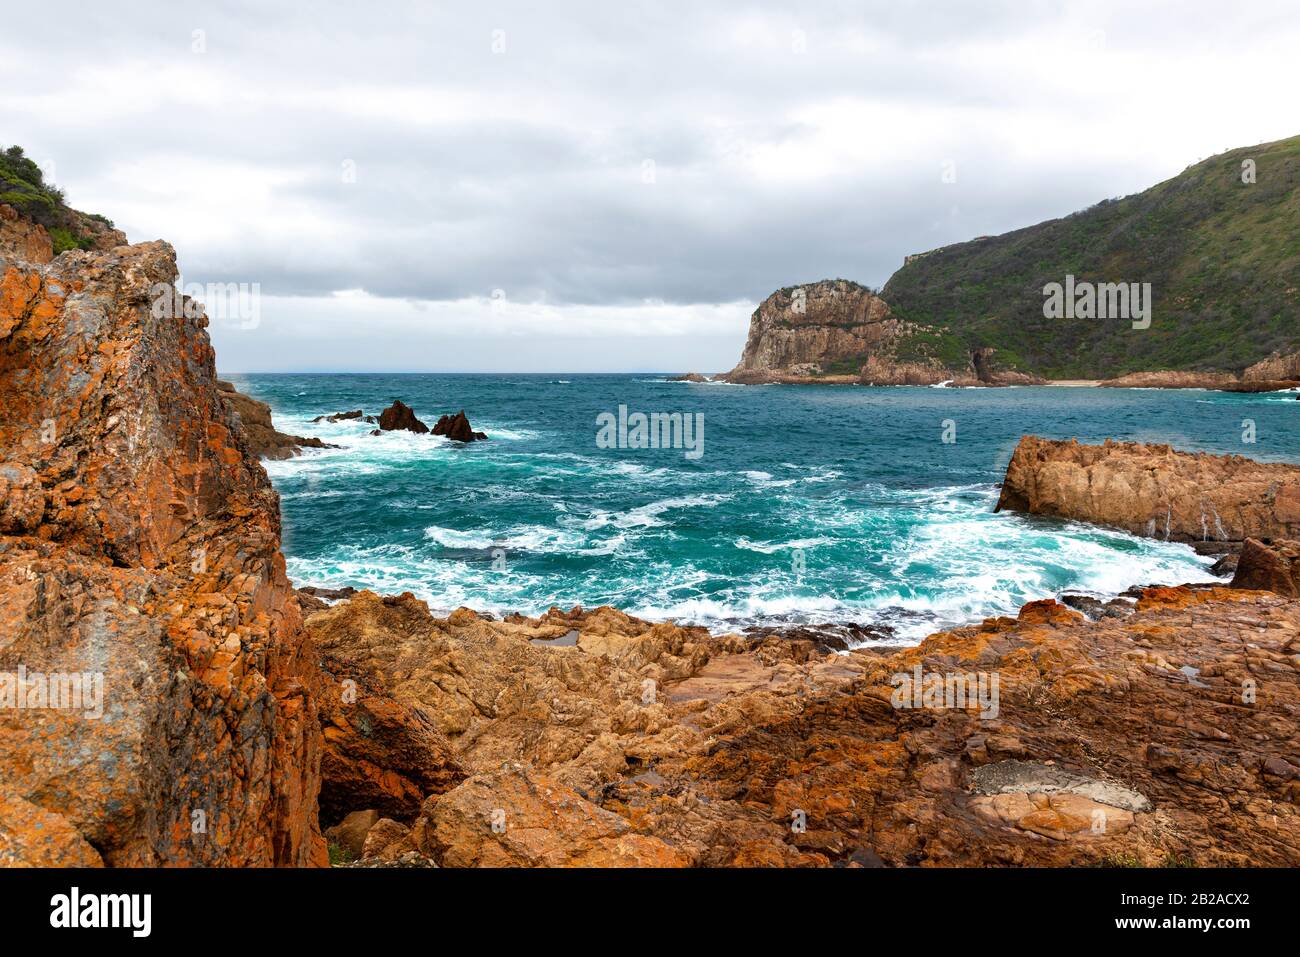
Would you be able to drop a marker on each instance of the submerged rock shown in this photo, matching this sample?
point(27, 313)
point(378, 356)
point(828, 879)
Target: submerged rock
point(342, 416)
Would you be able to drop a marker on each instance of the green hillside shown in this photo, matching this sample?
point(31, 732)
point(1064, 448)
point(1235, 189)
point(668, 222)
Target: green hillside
point(23, 186)
point(1223, 258)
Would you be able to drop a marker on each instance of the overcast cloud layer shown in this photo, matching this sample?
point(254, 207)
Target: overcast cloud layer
point(606, 186)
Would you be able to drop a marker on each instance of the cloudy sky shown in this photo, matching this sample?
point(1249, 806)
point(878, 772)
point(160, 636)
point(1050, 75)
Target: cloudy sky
point(605, 186)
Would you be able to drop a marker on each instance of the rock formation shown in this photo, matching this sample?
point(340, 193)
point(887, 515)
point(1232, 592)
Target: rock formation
point(1272, 567)
point(1155, 491)
point(838, 332)
point(22, 240)
point(823, 328)
point(1219, 381)
point(1276, 367)
point(140, 568)
point(399, 415)
point(1167, 379)
point(1153, 735)
point(263, 438)
point(457, 428)
point(342, 416)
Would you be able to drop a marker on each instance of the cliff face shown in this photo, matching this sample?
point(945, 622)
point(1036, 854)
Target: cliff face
point(140, 561)
point(829, 326)
point(1154, 490)
point(838, 331)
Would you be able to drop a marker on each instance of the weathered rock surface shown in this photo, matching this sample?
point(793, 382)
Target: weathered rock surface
point(838, 332)
point(1167, 734)
point(1154, 490)
point(140, 548)
point(399, 415)
point(350, 833)
point(818, 325)
point(380, 752)
point(22, 240)
point(1275, 367)
point(457, 428)
point(263, 438)
point(1274, 566)
point(1169, 379)
point(1271, 375)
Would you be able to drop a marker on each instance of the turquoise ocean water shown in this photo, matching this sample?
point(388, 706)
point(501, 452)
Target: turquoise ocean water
point(808, 504)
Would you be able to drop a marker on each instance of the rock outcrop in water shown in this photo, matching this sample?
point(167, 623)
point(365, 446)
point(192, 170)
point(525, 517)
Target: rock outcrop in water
point(457, 428)
point(264, 440)
point(1157, 736)
point(141, 581)
point(400, 416)
point(1154, 490)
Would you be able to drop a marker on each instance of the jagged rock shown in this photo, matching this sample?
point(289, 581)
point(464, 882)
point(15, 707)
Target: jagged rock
point(1108, 738)
point(313, 599)
point(379, 752)
point(399, 415)
point(23, 240)
point(688, 377)
point(1226, 565)
point(817, 327)
point(151, 563)
point(342, 416)
point(457, 428)
point(1270, 567)
point(263, 438)
point(839, 332)
point(1153, 490)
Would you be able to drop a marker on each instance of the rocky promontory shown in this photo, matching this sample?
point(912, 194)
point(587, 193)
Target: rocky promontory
point(839, 332)
point(264, 439)
point(1155, 490)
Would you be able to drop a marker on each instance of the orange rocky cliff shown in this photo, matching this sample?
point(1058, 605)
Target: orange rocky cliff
point(141, 581)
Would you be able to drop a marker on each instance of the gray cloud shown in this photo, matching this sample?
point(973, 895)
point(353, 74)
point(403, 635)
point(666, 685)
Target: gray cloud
point(786, 146)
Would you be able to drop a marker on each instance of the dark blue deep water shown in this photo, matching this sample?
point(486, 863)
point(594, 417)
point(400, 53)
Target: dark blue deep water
point(809, 503)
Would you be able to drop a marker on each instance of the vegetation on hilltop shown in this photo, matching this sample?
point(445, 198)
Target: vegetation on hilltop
point(1222, 257)
point(23, 186)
